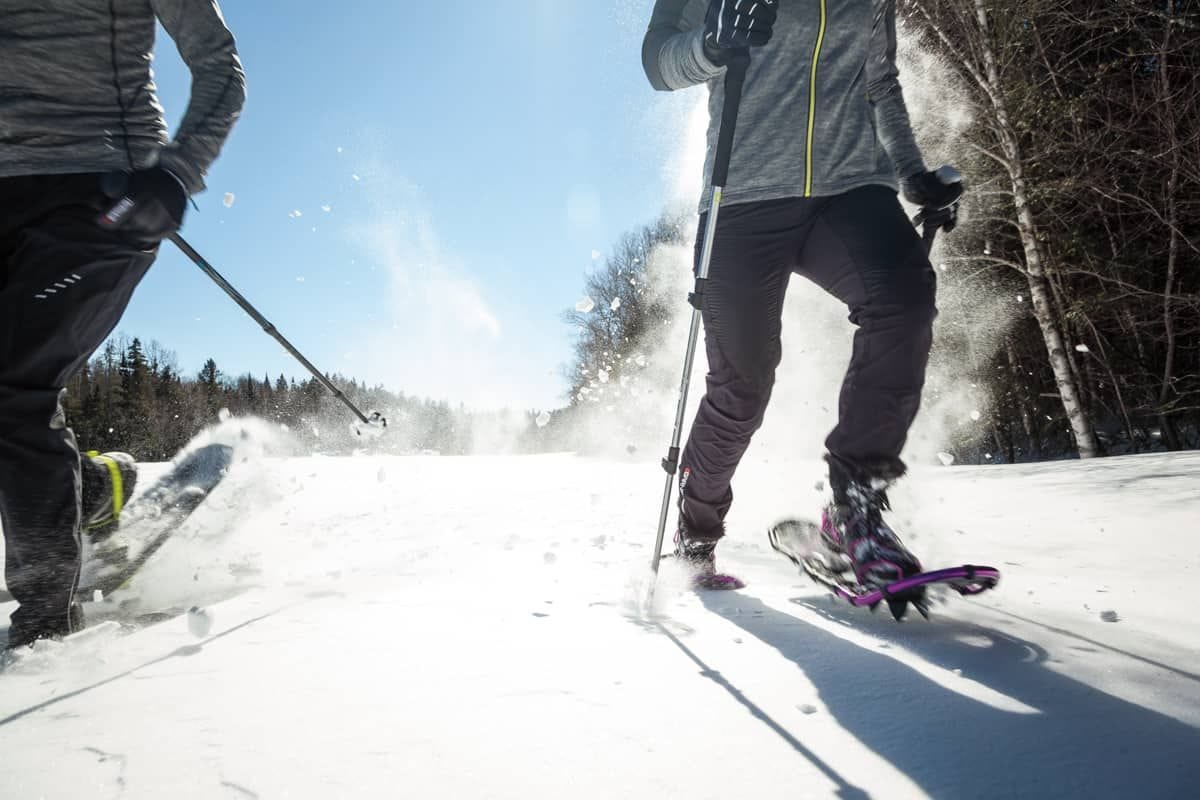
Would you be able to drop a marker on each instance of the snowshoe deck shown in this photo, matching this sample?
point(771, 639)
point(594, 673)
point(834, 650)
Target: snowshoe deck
point(799, 540)
point(150, 520)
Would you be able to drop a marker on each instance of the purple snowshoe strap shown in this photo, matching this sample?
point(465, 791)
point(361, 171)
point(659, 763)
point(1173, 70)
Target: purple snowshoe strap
point(966, 580)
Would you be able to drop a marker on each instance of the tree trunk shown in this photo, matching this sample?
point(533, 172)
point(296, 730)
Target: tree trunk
point(1170, 129)
point(1039, 290)
point(1020, 383)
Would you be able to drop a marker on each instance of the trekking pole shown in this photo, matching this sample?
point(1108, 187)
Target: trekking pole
point(735, 78)
point(374, 420)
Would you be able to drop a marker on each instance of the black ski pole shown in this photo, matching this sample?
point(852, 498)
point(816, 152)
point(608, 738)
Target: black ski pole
point(735, 78)
point(374, 419)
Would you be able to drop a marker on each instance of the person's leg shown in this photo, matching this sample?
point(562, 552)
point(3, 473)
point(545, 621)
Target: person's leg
point(64, 283)
point(863, 250)
point(753, 255)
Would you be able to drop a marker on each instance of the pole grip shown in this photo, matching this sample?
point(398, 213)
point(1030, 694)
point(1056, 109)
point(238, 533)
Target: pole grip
point(735, 79)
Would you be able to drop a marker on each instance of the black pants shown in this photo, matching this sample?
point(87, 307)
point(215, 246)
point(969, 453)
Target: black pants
point(64, 284)
point(859, 247)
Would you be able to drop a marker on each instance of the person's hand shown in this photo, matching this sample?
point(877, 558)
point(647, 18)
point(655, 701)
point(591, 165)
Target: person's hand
point(148, 204)
point(733, 25)
point(933, 190)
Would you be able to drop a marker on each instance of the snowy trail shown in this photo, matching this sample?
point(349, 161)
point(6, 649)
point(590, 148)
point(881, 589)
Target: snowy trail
point(441, 627)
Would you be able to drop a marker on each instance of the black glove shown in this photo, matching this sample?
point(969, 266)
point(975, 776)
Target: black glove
point(933, 190)
point(737, 24)
point(149, 204)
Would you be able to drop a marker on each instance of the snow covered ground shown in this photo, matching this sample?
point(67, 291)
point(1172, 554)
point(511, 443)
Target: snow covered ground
point(472, 628)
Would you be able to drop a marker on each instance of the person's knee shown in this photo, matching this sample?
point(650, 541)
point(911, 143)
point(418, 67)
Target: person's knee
point(905, 305)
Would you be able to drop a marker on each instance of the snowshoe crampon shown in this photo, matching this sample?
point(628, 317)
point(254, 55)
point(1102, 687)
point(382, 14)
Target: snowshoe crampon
point(801, 542)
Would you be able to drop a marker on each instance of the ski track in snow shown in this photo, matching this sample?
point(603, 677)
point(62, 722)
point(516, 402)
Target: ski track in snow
point(473, 627)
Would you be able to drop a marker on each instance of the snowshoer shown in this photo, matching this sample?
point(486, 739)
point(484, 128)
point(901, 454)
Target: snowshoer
point(90, 185)
point(823, 144)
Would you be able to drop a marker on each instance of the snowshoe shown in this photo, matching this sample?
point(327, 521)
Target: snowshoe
point(804, 543)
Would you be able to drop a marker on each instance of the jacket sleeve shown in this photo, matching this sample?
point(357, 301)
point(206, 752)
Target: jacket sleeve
point(883, 87)
point(218, 86)
point(673, 50)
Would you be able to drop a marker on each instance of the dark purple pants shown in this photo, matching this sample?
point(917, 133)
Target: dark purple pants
point(64, 283)
point(861, 248)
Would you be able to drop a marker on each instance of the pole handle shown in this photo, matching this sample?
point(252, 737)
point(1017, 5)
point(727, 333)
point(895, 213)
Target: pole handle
point(735, 80)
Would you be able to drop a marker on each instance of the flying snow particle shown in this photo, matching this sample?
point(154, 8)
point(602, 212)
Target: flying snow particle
point(640, 360)
point(1082, 348)
point(339, 149)
point(615, 304)
point(602, 375)
point(355, 177)
point(224, 415)
point(585, 305)
point(1020, 298)
point(946, 458)
point(296, 214)
point(975, 415)
point(542, 419)
point(199, 621)
point(327, 208)
point(299, 279)
point(229, 198)
point(595, 255)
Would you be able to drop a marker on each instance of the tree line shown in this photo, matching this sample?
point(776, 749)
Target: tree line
point(134, 397)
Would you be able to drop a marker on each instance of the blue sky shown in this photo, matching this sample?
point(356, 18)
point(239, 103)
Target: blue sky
point(472, 158)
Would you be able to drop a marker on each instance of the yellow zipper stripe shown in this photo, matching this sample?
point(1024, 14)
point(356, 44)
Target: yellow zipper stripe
point(812, 105)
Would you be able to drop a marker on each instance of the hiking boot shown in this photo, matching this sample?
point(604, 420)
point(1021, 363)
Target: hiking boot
point(699, 553)
point(853, 526)
point(108, 483)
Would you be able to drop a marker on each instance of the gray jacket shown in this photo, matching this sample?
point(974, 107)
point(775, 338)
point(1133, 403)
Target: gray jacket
point(76, 93)
point(822, 112)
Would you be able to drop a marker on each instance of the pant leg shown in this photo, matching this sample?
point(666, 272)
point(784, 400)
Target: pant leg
point(64, 284)
point(753, 255)
point(863, 250)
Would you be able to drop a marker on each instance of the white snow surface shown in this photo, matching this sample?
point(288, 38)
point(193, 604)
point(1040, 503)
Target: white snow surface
point(476, 627)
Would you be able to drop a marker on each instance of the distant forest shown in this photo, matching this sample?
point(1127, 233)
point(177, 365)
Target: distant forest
point(134, 397)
